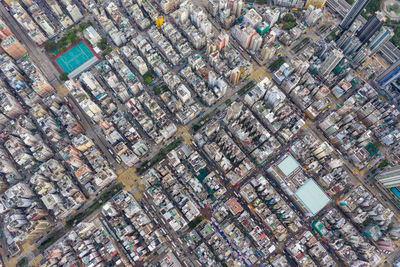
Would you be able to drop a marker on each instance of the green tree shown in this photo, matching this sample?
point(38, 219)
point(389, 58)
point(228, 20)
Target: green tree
point(276, 64)
point(164, 88)
point(50, 46)
point(102, 44)
point(64, 76)
point(71, 31)
point(80, 29)
point(157, 90)
point(371, 8)
point(148, 80)
point(196, 127)
point(62, 42)
point(384, 163)
point(85, 25)
point(74, 38)
point(192, 224)
point(371, 76)
point(22, 262)
point(288, 17)
point(107, 51)
point(289, 25)
point(396, 38)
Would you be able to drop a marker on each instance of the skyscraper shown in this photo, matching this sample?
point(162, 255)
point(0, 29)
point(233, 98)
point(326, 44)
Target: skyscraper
point(371, 27)
point(390, 74)
point(381, 38)
point(344, 39)
point(353, 13)
point(360, 57)
point(330, 62)
point(390, 177)
point(351, 46)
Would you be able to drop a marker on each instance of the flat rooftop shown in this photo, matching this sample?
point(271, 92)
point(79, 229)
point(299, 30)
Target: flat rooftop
point(288, 165)
point(312, 196)
point(76, 59)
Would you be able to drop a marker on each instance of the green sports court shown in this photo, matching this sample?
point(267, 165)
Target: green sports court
point(76, 59)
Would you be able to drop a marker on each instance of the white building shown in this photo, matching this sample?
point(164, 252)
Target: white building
point(313, 15)
point(91, 35)
point(252, 17)
point(330, 62)
point(272, 16)
point(75, 13)
point(183, 93)
point(256, 42)
point(390, 177)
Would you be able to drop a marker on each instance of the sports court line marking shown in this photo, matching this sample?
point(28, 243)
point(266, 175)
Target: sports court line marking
point(67, 62)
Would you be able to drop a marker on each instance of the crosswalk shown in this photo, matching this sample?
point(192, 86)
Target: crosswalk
point(259, 74)
point(183, 132)
point(131, 182)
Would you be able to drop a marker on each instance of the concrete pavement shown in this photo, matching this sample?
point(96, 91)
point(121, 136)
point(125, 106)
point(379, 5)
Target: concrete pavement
point(132, 182)
point(183, 132)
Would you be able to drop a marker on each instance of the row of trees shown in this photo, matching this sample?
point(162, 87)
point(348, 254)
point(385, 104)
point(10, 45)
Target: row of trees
point(276, 64)
point(69, 38)
point(104, 47)
point(163, 152)
point(289, 21)
point(371, 8)
point(84, 25)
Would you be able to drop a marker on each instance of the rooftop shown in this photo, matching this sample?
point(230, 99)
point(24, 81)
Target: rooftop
point(288, 165)
point(312, 196)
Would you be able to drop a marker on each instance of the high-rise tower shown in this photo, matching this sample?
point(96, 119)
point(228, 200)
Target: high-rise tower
point(390, 74)
point(381, 38)
point(353, 13)
point(330, 62)
point(371, 27)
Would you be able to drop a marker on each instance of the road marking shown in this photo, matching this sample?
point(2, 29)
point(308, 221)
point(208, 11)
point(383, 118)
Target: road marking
point(379, 61)
point(361, 76)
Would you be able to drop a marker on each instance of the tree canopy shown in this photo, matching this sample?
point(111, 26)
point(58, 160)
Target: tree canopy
point(64, 76)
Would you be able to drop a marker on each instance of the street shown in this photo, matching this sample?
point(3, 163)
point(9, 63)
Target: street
point(132, 181)
point(39, 58)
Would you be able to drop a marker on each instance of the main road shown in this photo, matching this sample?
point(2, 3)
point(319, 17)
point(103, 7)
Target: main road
point(51, 73)
point(94, 132)
point(36, 53)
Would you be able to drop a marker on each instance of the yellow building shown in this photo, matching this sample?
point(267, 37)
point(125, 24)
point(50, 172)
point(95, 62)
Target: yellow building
point(38, 111)
point(316, 3)
point(159, 21)
point(82, 143)
point(37, 230)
